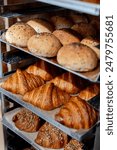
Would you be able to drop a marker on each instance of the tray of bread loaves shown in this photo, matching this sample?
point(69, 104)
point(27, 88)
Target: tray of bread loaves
point(40, 134)
point(68, 43)
point(59, 98)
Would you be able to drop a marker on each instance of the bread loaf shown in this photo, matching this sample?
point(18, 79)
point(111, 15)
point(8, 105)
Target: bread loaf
point(92, 43)
point(77, 57)
point(84, 29)
point(67, 36)
point(19, 34)
point(44, 44)
point(50, 137)
point(61, 22)
point(77, 114)
point(21, 82)
point(26, 121)
point(78, 18)
point(46, 97)
point(40, 25)
point(74, 145)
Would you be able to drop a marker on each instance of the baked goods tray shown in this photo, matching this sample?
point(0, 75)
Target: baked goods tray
point(49, 116)
point(29, 137)
point(76, 5)
point(92, 76)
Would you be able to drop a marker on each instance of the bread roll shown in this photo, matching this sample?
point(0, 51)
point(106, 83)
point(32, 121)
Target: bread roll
point(78, 18)
point(77, 57)
point(26, 121)
point(84, 29)
point(61, 22)
point(90, 42)
point(40, 25)
point(19, 34)
point(74, 145)
point(67, 36)
point(44, 44)
point(51, 137)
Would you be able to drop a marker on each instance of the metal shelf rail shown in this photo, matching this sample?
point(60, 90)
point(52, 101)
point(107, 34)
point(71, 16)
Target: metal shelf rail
point(77, 5)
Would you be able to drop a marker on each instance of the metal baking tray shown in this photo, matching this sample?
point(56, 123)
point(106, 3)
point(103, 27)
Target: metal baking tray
point(30, 11)
point(92, 76)
point(29, 137)
point(49, 116)
point(76, 5)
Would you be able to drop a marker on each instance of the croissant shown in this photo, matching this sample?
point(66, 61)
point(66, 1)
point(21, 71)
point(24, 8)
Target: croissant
point(69, 83)
point(44, 70)
point(46, 97)
point(77, 114)
point(21, 82)
point(26, 121)
point(90, 92)
point(74, 145)
point(51, 137)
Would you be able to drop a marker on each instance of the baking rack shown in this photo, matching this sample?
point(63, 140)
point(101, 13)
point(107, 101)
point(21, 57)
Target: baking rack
point(76, 5)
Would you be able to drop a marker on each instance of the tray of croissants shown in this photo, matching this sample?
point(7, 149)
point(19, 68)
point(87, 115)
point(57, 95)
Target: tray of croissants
point(63, 97)
point(41, 134)
point(70, 42)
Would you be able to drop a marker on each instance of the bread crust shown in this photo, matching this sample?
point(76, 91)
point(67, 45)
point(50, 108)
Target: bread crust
point(19, 34)
point(77, 57)
point(44, 44)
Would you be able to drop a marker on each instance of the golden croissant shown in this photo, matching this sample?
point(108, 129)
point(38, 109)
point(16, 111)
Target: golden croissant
point(21, 82)
point(43, 69)
point(77, 114)
point(51, 137)
point(90, 91)
point(69, 83)
point(46, 97)
point(26, 121)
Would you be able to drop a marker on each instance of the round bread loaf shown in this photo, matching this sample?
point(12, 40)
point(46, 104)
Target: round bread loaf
point(92, 43)
point(78, 18)
point(84, 29)
point(67, 36)
point(40, 25)
point(44, 44)
point(19, 34)
point(77, 57)
point(61, 22)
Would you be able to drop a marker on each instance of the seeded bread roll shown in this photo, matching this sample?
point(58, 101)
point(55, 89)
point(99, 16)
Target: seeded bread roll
point(74, 145)
point(67, 36)
point(84, 29)
point(40, 25)
point(61, 22)
point(44, 44)
point(92, 43)
point(51, 137)
point(19, 34)
point(77, 57)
